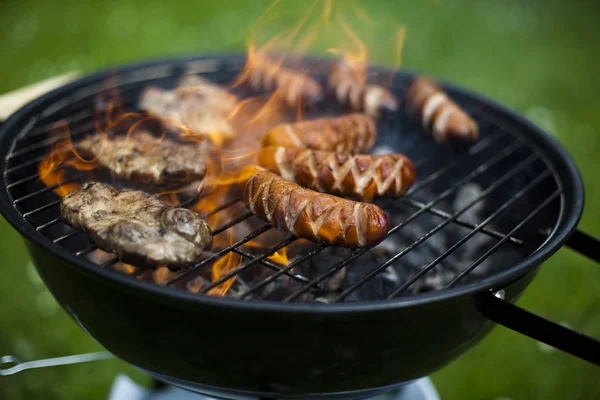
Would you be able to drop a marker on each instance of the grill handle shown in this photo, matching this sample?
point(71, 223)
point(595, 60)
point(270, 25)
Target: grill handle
point(585, 244)
point(503, 312)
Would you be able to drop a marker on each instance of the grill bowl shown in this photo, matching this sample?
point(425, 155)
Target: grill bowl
point(265, 348)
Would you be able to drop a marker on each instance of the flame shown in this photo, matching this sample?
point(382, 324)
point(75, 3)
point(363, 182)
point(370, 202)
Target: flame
point(230, 154)
point(280, 257)
point(127, 269)
point(230, 260)
point(51, 169)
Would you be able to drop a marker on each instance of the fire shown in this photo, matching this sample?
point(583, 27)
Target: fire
point(322, 26)
point(213, 200)
point(52, 169)
point(280, 257)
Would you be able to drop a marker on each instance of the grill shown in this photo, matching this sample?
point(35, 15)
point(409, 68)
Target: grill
point(427, 200)
point(464, 243)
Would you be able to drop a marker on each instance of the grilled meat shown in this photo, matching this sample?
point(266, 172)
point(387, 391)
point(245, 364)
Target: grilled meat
point(349, 90)
point(295, 87)
point(446, 119)
point(364, 176)
point(196, 107)
point(352, 133)
point(140, 229)
point(311, 215)
point(156, 163)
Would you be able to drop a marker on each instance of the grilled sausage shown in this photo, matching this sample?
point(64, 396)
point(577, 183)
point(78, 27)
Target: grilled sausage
point(439, 113)
point(354, 133)
point(296, 87)
point(364, 176)
point(311, 215)
point(349, 90)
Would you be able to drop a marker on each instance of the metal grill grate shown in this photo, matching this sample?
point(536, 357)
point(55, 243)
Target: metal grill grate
point(39, 206)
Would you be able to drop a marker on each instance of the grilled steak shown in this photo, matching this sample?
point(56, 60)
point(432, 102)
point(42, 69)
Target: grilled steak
point(140, 229)
point(196, 107)
point(144, 159)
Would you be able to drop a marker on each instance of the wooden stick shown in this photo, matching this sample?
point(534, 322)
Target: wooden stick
point(12, 101)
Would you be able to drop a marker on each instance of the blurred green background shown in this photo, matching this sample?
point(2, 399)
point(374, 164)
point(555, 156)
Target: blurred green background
point(540, 58)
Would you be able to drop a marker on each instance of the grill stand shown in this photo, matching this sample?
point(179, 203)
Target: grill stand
point(124, 388)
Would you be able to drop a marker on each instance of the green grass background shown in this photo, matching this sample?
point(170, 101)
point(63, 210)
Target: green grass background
point(540, 58)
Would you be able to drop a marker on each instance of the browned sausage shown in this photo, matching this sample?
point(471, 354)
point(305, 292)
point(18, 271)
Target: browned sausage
point(311, 215)
point(296, 87)
point(349, 90)
point(439, 113)
point(364, 176)
point(353, 133)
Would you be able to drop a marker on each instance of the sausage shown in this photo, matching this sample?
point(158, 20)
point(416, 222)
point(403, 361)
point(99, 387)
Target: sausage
point(353, 133)
point(439, 113)
point(349, 90)
point(364, 176)
point(296, 87)
point(311, 215)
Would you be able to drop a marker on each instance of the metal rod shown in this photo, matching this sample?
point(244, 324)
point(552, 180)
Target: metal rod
point(471, 267)
point(75, 132)
point(585, 244)
point(553, 334)
point(222, 207)
point(66, 236)
point(48, 188)
point(86, 251)
point(47, 224)
point(43, 130)
point(272, 265)
point(50, 141)
point(29, 178)
point(36, 175)
point(214, 257)
point(248, 264)
point(24, 164)
point(233, 222)
point(110, 262)
point(277, 274)
point(477, 229)
point(10, 365)
point(85, 113)
point(490, 189)
point(444, 214)
point(480, 146)
point(41, 208)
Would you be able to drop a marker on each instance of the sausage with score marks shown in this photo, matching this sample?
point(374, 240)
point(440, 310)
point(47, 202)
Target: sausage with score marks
point(311, 215)
point(438, 112)
point(348, 89)
point(295, 87)
point(353, 133)
point(364, 176)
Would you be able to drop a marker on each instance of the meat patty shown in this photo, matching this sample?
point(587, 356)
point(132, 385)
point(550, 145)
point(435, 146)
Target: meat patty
point(196, 105)
point(140, 229)
point(157, 163)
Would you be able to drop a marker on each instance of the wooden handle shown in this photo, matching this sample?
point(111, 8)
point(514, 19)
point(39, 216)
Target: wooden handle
point(12, 101)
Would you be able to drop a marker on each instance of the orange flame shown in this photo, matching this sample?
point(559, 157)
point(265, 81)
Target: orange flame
point(280, 257)
point(230, 260)
point(249, 119)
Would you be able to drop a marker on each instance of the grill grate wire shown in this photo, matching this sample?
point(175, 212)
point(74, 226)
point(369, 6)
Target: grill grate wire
point(83, 118)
